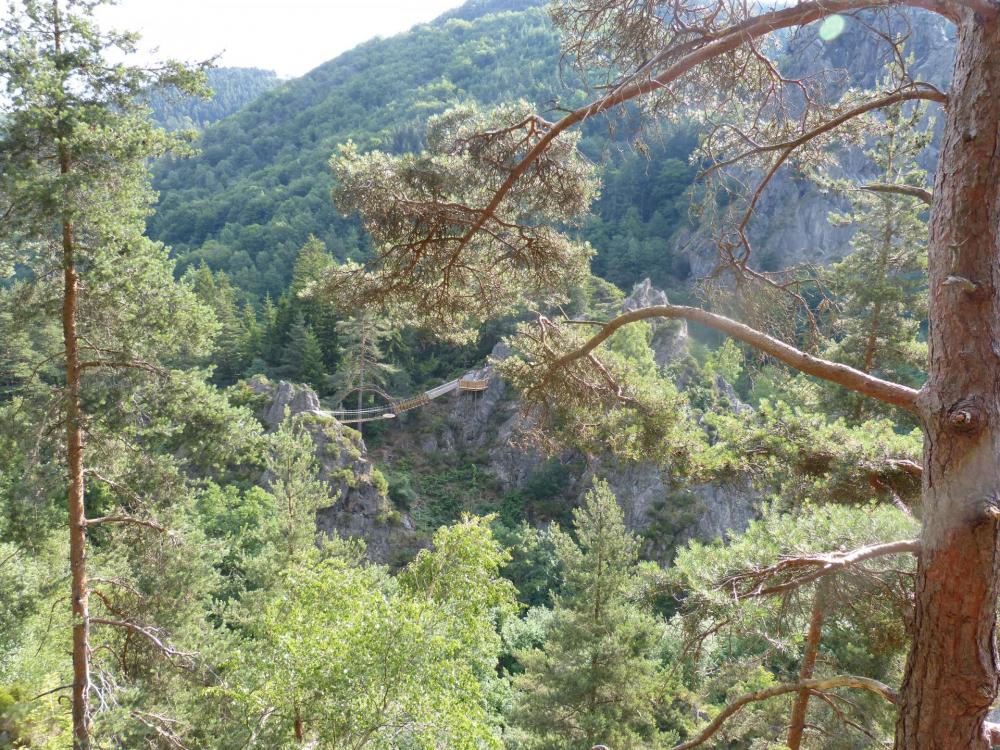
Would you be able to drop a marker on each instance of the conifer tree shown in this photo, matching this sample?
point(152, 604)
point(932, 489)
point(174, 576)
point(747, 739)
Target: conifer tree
point(311, 266)
point(234, 349)
point(75, 142)
point(253, 336)
point(880, 287)
point(362, 367)
point(302, 356)
point(597, 677)
point(292, 471)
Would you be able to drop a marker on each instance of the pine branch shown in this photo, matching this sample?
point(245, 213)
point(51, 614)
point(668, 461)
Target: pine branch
point(135, 364)
point(917, 91)
point(910, 467)
point(160, 725)
point(914, 192)
point(125, 519)
point(150, 634)
point(844, 375)
point(830, 683)
point(118, 487)
point(808, 568)
point(709, 47)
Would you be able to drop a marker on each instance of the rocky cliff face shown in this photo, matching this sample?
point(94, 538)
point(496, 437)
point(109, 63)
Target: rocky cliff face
point(790, 226)
point(670, 337)
point(490, 426)
point(493, 425)
point(361, 509)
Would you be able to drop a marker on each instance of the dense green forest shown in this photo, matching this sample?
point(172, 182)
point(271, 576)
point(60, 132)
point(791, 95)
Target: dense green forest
point(261, 185)
point(232, 90)
point(736, 514)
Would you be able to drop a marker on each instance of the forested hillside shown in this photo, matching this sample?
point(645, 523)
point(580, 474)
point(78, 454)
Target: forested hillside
point(232, 90)
point(261, 185)
point(602, 376)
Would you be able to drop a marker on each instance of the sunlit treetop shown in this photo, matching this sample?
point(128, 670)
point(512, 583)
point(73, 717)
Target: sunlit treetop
point(440, 260)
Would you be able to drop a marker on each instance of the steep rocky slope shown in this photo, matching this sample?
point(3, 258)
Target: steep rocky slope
point(362, 508)
point(790, 225)
point(469, 452)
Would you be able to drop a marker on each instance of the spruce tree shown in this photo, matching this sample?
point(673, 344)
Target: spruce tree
point(234, 349)
point(292, 471)
point(311, 266)
point(597, 677)
point(362, 367)
point(302, 356)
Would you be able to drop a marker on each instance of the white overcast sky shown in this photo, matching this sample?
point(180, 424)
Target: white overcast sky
point(288, 36)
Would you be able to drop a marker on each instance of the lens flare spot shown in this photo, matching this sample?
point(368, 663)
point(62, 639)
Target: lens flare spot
point(831, 28)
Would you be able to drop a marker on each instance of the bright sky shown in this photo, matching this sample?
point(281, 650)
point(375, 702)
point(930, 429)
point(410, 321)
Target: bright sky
point(288, 36)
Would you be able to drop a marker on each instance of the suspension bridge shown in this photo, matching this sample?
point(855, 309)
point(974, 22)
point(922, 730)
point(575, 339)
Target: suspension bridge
point(393, 409)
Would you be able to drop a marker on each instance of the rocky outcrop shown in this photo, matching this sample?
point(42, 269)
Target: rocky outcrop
point(492, 424)
point(361, 508)
point(790, 224)
point(670, 337)
point(285, 398)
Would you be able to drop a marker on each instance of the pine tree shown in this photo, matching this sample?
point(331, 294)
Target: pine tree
point(292, 471)
point(75, 142)
point(596, 678)
point(362, 366)
point(253, 337)
point(271, 341)
point(234, 348)
point(302, 356)
point(880, 288)
point(312, 264)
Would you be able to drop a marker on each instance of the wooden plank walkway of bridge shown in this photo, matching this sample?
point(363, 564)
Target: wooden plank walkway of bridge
point(395, 408)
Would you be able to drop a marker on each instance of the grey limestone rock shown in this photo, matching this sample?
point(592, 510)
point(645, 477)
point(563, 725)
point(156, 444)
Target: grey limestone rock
point(670, 337)
point(494, 424)
point(360, 508)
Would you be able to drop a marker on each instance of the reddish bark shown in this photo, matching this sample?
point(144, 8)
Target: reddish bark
point(952, 673)
point(74, 452)
point(798, 723)
point(75, 501)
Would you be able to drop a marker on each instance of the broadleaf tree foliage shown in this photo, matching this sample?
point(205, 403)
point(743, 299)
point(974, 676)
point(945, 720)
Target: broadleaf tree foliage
point(458, 233)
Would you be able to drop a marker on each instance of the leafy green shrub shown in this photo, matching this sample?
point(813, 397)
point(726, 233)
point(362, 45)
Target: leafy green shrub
point(380, 482)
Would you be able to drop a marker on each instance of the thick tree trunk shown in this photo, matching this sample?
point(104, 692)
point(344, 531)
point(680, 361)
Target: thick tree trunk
point(797, 725)
point(952, 673)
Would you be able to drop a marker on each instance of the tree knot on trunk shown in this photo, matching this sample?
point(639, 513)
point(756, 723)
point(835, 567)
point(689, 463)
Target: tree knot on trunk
point(974, 291)
point(989, 508)
point(967, 416)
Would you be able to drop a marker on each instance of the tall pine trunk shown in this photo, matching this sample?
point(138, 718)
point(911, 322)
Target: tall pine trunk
point(77, 515)
point(74, 444)
point(952, 673)
point(361, 375)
